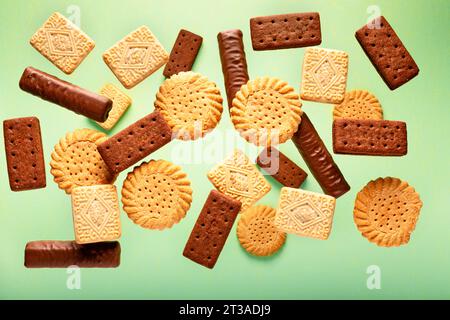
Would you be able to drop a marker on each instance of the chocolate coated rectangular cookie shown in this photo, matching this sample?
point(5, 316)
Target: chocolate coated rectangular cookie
point(234, 63)
point(370, 137)
point(387, 53)
point(283, 31)
point(183, 54)
point(211, 229)
point(283, 169)
point(319, 160)
point(65, 94)
point(62, 254)
point(24, 155)
point(135, 142)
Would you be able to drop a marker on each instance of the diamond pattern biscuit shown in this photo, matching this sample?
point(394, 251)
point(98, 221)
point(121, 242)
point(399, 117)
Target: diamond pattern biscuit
point(266, 111)
point(96, 214)
point(156, 195)
point(257, 233)
point(62, 43)
point(386, 211)
point(324, 75)
point(305, 213)
point(358, 104)
point(76, 161)
point(121, 102)
point(190, 103)
point(237, 177)
point(136, 57)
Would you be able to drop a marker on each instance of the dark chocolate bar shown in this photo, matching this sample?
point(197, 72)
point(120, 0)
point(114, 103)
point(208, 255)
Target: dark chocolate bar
point(370, 137)
point(183, 54)
point(62, 254)
point(283, 31)
point(234, 64)
point(211, 229)
point(135, 142)
point(387, 53)
point(65, 94)
point(319, 160)
point(24, 155)
point(280, 167)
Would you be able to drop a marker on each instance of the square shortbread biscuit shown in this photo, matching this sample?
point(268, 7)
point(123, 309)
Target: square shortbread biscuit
point(305, 213)
point(238, 177)
point(121, 102)
point(136, 57)
point(62, 42)
point(324, 75)
point(96, 215)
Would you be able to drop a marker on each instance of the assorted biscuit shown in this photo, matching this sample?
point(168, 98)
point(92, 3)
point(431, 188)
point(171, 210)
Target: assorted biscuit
point(266, 111)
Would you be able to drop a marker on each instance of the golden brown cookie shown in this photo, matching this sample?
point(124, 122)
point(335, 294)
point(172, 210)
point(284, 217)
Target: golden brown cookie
point(386, 211)
point(156, 195)
point(62, 43)
point(76, 161)
point(359, 104)
point(257, 233)
point(266, 111)
point(190, 103)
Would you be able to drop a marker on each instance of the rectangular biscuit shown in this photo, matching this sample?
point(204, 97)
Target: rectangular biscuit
point(283, 31)
point(183, 54)
point(62, 254)
point(65, 94)
point(280, 167)
point(96, 214)
point(319, 160)
point(387, 53)
point(121, 102)
point(370, 137)
point(211, 229)
point(234, 63)
point(24, 154)
point(135, 142)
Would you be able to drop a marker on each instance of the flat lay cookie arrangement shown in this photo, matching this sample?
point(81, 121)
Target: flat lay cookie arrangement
point(266, 111)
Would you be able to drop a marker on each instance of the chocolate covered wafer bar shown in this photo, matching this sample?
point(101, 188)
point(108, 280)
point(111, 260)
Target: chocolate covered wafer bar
point(183, 54)
point(370, 137)
point(211, 229)
point(65, 94)
point(285, 31)
point(62, 254)
point(280, 167)
point(387, 53)
point(319, 160)
point(234, 64)
point(135, 142)
point(24, 156)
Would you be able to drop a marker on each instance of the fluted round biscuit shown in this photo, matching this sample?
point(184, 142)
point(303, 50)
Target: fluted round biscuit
point(359, 104)
point(257, 233)
point(266, 111)
point(156, 195)
point(76, 161)
point(386, 211)
point(190, 103)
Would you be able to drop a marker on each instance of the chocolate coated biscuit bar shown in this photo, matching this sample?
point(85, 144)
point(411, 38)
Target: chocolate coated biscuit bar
point(387, 53)
point(370, 137)
point(135, 142)
point(234, 64)
point(183, 54)
point(24, 155)
point(211, 229)
point(319, 160)
point(65, 94)
point(280, 167)
point(285, 31)
point(62, 254)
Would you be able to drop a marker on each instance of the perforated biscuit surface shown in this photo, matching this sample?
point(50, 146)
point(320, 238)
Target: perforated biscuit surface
point(358, 104)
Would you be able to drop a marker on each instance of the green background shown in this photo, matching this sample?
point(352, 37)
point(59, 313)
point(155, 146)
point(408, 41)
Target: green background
point(152, 264)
